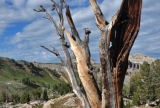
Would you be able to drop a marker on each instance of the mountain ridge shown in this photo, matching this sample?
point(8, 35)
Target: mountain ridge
point(140, 58)
point(13, 75)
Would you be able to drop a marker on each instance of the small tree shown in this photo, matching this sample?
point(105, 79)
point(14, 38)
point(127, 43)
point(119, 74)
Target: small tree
point(135, 99)
point(116, 40)
point(45, 95)
point(25, 97)
point(16, 98)
point(36, 94)
point(3, 96)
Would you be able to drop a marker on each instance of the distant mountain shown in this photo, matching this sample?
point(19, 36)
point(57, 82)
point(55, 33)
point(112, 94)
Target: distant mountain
point(136, 60)
point(134, 63)
point(13, 73)
point(46, 72)
point(140, 58)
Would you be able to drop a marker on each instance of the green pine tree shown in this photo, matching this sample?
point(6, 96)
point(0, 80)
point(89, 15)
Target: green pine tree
point(45, 95)
point(25, 98)
point(146, 83)
point(3, 96)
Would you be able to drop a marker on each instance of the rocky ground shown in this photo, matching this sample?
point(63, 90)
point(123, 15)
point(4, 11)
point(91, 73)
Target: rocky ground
point(66, 101)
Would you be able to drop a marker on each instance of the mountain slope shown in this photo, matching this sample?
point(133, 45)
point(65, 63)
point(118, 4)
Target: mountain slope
point(12, 74)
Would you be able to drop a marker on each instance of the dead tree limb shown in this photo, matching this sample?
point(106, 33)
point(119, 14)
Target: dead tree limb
point(70, 22)
point(82, 53)
point(55, 52)
point(120, 33)
point(68, 63)
point(87, 79)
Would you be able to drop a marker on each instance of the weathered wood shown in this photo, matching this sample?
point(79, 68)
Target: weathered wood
point(116, 39)
point(71, 24)
point(68, 63)
point(128, 18)
point(120, 33)
point(87, 79)
point(82, 53)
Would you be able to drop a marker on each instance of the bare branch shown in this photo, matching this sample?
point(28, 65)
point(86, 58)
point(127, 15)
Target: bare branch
point(71, 23)
point(47, 18)
point(50, 50)
point(55, 3)
point(55, 52)
point(60, 12)
point(54, 23)
point(53, 7)
point(41, 9)
point(54, 49)
point(87, 32)
point(65, 3)
point(58, 8)
point(99, 17)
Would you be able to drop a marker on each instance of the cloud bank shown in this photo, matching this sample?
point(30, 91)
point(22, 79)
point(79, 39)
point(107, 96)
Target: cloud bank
point(25, 43)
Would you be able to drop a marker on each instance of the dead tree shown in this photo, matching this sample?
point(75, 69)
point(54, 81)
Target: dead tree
point(116, 40)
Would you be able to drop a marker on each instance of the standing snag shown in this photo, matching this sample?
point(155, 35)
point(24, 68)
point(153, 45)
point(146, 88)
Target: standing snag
point(121, 33)
point(116, 40)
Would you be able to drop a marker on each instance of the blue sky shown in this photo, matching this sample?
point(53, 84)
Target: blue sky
point(23, 31)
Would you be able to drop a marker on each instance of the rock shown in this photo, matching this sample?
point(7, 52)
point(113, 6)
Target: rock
point(140, 58)
point(70, 102)
point(52, 66)
point(152, 104)
point(146, 105)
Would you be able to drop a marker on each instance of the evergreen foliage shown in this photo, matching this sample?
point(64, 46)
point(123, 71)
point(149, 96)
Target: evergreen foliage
point(126, 91)
point(135, 99)
point(25, 98)
point(45, 95)
point(26, 81)
point(145, 86)
point(3, 96)
point(36, 94)
point(16, 98)
point(62, 88)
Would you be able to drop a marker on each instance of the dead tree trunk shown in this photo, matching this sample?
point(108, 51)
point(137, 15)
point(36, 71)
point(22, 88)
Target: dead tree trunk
point(116, 40)
point(67, 63)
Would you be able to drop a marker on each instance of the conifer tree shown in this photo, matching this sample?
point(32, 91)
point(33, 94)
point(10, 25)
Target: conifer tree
point(45, 95)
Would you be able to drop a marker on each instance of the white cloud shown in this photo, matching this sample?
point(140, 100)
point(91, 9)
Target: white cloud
point(26, 43)
point(19, 3)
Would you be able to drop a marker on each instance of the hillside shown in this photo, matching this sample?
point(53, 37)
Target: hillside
point(53, 73)
point(134, 62)
point(48, 75)
point(12, 74)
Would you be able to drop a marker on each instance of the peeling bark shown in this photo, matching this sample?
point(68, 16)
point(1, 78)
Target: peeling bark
point(121, 33)
point(87, 79)
point(82, 53)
